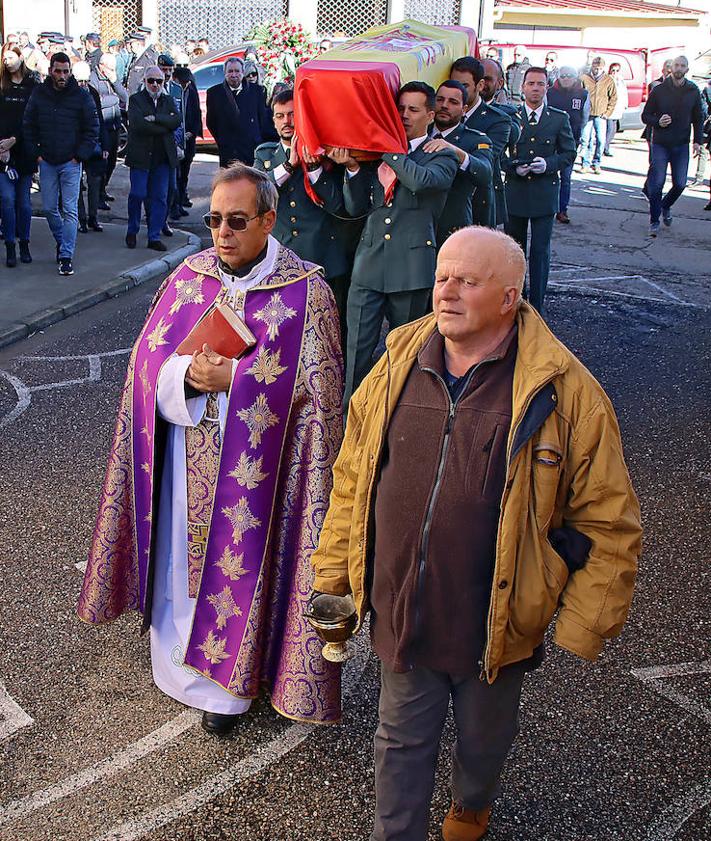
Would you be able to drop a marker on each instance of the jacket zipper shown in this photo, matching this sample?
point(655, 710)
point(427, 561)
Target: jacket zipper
point(484, 662)
point(424, 542)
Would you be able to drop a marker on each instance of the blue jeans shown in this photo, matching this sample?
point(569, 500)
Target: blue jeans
point(564, 200)
point(16, 207)
point(151, 186)
point(65, 178)
point(539, 254)
point(661, 157)
point(593, 140)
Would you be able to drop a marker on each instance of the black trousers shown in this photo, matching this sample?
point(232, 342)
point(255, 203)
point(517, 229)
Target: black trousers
point(339, 286)
point(111, 160)
point(184, 170)
point(539, 252)
point(94, 182)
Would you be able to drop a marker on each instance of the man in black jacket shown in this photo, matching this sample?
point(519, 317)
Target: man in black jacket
point(61, 129)
point(150, 154)
point(673, 108)
point(192, 119)
point(237, 116)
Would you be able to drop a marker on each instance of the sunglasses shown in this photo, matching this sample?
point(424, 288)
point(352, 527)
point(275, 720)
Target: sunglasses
point(252, 75)
point(235, 223)
point(154, 81)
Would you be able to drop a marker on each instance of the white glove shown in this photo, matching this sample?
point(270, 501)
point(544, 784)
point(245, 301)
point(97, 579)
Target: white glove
point(538, 166)
point(523, 170)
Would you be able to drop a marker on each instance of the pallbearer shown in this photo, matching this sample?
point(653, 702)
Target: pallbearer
point(220, 473)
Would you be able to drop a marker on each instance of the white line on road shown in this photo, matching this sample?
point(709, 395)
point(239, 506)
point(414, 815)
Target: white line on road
point(261, 758)
point(666, 826)
point(12, 716)
point(23, 399)
point(105, 768)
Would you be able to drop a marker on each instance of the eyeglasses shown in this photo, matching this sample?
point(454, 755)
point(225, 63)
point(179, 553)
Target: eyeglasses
point(567, 76)
point(154, 81)
point(235, 223)
point(252, 76)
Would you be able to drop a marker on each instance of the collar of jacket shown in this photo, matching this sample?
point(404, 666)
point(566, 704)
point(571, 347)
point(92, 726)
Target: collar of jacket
point(540, 358)
point(71, 85)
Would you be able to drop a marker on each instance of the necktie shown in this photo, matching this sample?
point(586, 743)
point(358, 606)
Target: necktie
point(437, 135)
point(533, 119)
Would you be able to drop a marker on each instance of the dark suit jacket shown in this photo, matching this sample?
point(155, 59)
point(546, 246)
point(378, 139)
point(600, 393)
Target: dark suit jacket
point(238, 124)
point(396, 252)
point(470, 200)
point(551, 139)
point(303, 226)
point(498, 127)
point(142, 132)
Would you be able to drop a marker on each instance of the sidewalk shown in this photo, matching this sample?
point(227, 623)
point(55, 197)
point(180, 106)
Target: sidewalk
point(33, 296)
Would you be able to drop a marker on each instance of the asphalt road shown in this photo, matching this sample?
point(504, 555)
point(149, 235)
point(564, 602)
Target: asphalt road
point(618, 750)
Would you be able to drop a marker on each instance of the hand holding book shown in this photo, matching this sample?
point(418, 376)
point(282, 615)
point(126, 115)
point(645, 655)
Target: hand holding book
point(209, 371)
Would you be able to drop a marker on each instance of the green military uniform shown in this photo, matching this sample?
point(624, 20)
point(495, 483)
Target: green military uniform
point(313, 232)
point(499, 127)
point(534, 198)
point(393, 271)
point(470, 200)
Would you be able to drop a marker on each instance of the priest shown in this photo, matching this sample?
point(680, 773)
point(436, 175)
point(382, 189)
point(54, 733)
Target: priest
point(220, 473)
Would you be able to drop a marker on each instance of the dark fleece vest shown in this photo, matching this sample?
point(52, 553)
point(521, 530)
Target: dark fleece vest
point(437, 512)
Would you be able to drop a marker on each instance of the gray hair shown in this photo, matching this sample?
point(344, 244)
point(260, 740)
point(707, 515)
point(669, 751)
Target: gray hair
point(266, 193)
point(233, 59)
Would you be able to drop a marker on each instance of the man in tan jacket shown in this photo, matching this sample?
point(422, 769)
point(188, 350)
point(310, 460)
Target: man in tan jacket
point(481, 487)
point(602, 91)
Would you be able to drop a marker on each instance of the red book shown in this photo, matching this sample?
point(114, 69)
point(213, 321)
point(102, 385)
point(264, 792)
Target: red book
point(223, 330)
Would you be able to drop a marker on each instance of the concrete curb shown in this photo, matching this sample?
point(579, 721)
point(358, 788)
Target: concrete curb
point(90, 297)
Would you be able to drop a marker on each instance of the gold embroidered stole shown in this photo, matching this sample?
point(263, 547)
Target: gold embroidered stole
point(202, 461)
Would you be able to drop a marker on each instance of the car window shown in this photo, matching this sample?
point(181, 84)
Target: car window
point(206, 77)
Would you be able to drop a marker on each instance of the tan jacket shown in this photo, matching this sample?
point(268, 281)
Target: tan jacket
point(565, 467)
point(602, 93)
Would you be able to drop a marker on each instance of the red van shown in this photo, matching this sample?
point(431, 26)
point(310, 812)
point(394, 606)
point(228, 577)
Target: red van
point(639, 67)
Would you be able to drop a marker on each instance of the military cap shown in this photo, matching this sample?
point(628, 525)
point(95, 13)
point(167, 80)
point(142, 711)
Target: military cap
point(137, 36)
point(165, 60)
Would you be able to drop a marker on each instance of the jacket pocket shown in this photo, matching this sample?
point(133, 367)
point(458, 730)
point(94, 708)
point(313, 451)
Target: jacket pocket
point(545, 469)
point(541, 576)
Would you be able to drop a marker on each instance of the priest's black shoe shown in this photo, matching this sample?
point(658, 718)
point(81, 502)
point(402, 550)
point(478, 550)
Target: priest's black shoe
point(167, 231)
point(83, 228)
point(131, 240)
point(218, 724)
point(157, 245)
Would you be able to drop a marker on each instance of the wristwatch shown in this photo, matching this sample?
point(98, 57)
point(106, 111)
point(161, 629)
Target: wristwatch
point(288, 167)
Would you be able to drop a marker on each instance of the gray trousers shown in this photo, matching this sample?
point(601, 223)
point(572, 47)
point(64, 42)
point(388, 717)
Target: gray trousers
point(413, 708)
point(365, 311)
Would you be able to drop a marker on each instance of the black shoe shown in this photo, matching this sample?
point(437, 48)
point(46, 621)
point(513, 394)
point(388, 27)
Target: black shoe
point(65, 266)
point(107, 197)
point(174, 215)
point(156, 245)
point(187, 203)
point(707, 206)
point(103, 205)
point(167, 231)
point(95, 225)
point(218, 724)
point(131, 240)
point(25, 256)
point(11, 259)
point(83, 228)
point(183, 212)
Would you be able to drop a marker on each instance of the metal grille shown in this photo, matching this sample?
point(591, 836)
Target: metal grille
point(434, 12)
point(346, 17)
point(222, 22)
point(115, 18)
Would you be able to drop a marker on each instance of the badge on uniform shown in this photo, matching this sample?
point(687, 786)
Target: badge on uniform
point(483, 146)
point(267, 164)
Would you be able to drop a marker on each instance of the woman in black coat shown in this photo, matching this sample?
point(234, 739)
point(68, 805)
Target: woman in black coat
point(16, 164)
point(94, 166)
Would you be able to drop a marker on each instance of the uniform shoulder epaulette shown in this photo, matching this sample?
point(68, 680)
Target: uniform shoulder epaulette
point(555, 110)
point(266, 147)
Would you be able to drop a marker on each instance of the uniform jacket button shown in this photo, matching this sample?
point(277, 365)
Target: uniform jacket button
point(293, 218)
point(292, 204)
point(429, 242)
point(388, 221)
point(387, 236)
point(295, 233)
point(395, 157)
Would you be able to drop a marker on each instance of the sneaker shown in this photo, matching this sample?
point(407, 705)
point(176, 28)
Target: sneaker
point(707, 206)
point(157, 245)
point(563, 218)
point(654, 229)
point(666, 216)
point(65, 266)
point(462, 824)
point(597, 170)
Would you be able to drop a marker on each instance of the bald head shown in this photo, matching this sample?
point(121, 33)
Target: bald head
point(497, 257)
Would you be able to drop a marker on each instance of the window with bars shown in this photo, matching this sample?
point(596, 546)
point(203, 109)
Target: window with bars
point(434, 12)
point(115, 18)
point(222, 22)
point(347, 18)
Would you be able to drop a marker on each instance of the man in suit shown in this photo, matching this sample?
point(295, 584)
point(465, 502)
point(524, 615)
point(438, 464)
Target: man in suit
point(470, 200)
point(545, 147)
point(150, 155)
point(142, 57)
point(488, 119)
point(304, 219)
point(393, 272)
point(237, 115)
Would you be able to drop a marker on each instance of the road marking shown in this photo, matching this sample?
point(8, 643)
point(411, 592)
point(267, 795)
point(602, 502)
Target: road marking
point(666, 826)
point(588, 285)
point(12, 716)
point(24, 392)
point(105, 768)
point(260, 759)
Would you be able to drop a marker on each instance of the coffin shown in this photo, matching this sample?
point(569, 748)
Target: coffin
point(346, 97)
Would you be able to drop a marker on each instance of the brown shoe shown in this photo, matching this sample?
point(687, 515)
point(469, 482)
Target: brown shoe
point(462, 824)
point(563, 218)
